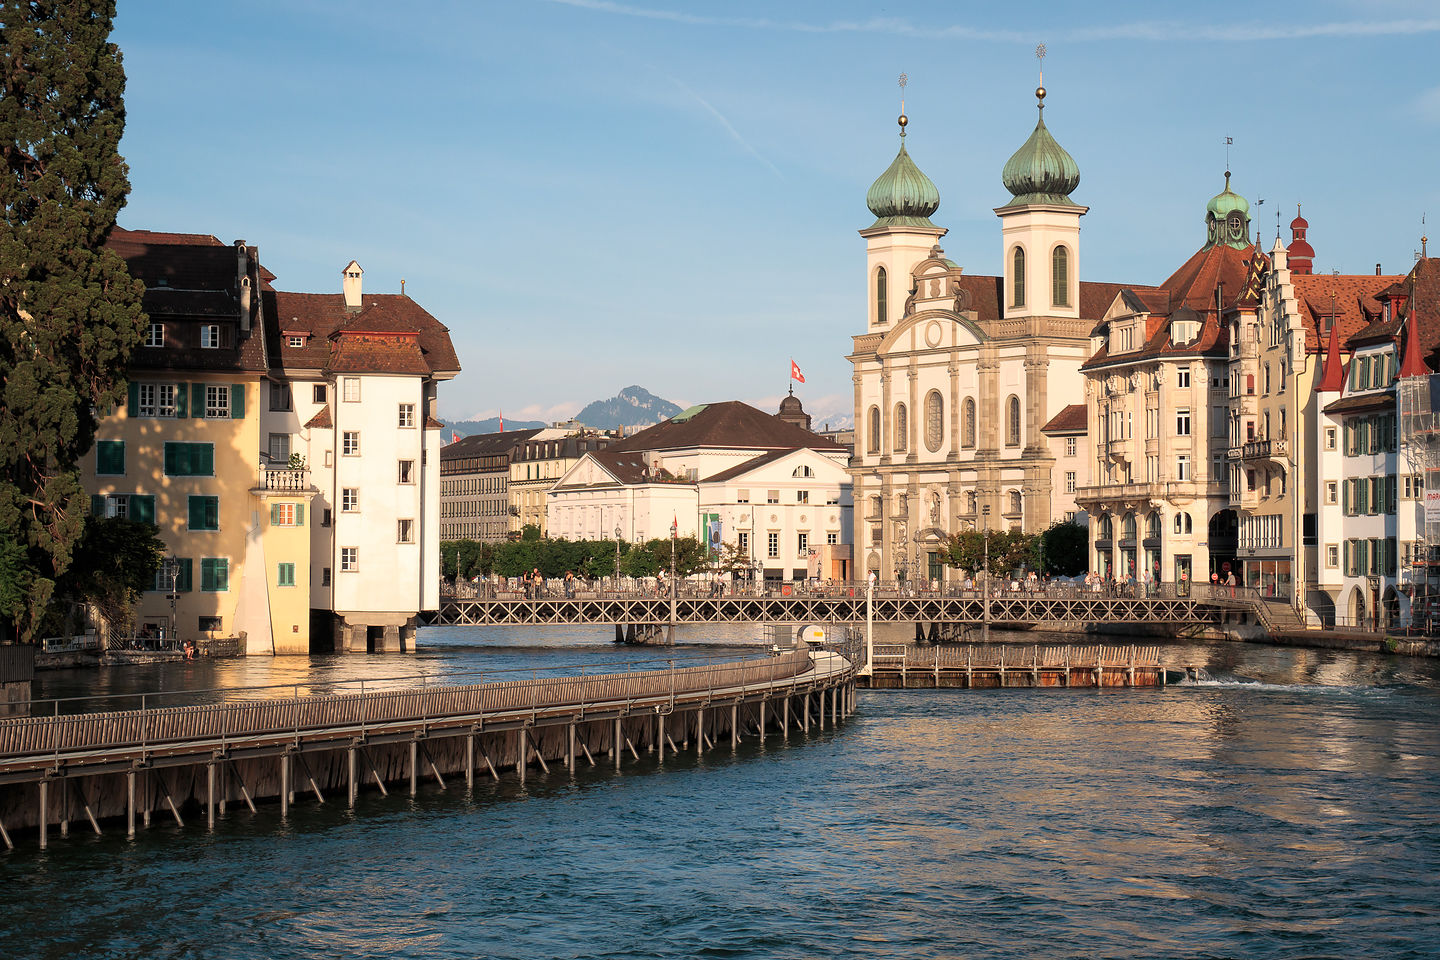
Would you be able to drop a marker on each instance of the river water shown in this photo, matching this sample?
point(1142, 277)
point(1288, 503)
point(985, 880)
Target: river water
point(1286, 809)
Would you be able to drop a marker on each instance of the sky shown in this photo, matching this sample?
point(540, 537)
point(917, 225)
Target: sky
point(592, 194)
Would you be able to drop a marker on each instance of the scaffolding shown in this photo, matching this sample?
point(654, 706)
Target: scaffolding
point(1420, 452)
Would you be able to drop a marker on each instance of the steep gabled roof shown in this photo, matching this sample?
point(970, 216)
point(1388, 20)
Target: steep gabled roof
point(486, 444)
point(1072, 419)
point(726, 425)
point(322, 320)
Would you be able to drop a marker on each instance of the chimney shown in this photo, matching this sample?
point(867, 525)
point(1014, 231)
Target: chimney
point(350, 284)
point(1377, 269)
point(242, 282)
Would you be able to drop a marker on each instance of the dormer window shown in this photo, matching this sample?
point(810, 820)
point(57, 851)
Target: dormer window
point(155, 336)
point(1183, 331)
point(294, 341)
point(210, 336)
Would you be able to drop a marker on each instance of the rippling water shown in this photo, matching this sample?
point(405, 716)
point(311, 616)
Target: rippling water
point(1286, 810)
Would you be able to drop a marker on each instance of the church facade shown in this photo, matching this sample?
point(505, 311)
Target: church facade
point(957, 375)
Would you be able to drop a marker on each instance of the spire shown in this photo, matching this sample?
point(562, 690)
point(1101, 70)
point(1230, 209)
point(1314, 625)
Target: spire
point(1333, 379)
point(1300, 255)
point(1041, 171)
point(1413, 363)
point(902, 196)
point(1227, 219)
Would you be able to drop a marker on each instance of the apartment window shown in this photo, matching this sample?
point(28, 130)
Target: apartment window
point(1182, 467)
point(287, 514)
point(324, 576)
point(742, 542)
point(210, 336)
point(407, 414)
point(832, 538)
point(279, 396)
point(350, 443)
point(1332, 491)
point(405, 531)
point(802, 545)
point(1329, 438)
point(1182, 422)
point(1182, 377)
point(742, 496)
point(189, 459)
point(1332, 555)
point(215, 574)
point(350, 387)
point(110, 458)
point(154, 400)
point(203, 513)
point(350, 500)
point(1070, 446)
point(321, 393)
point(802, 496)
point(772, 544)
point(772, 496)
point(285, 575)
point(326, 517)
point(1070, 481)
point(217, 401)
point(295, 342)
point(407, 471)
point(279, 447)
point(349, 559)
point(155, 336)
point(209, 624)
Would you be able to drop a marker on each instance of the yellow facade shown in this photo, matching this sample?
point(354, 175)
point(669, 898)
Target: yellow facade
point(285, 522)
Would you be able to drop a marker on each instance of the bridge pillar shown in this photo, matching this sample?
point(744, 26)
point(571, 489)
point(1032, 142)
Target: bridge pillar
point(660, 735)
point(130, 803)
point(785, 723)
point(284, 785)
point(521, 749)
point(764, 702)
point(734, 725)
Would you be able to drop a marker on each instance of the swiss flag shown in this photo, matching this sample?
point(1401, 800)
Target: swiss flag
point(795, 373)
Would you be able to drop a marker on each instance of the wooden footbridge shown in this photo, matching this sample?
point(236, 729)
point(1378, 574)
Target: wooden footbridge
point(180, 761)
point(971, 667)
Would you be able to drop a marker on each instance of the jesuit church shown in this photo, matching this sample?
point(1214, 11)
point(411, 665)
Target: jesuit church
point(964, 383)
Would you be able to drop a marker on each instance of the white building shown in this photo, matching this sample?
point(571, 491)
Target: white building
point(774, 489)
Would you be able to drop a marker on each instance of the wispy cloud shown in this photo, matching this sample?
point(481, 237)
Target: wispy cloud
point(1152, 30)
point(729, 127)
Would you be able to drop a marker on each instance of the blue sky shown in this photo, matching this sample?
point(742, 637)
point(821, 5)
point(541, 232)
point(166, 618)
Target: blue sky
point(592, 194)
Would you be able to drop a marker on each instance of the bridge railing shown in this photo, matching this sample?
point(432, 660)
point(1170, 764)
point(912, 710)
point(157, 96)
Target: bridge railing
point(68, 730)
point(996, 587)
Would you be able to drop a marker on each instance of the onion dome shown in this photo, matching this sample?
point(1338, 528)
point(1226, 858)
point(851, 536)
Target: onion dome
point(1227, 219)
point(1041, 171)
point(902, 196)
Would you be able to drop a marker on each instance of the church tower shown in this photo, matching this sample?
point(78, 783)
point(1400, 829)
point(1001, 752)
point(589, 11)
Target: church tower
point(1040, 228)
point(902, 200)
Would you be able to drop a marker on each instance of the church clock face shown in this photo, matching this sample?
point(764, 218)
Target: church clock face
point(1236, 226)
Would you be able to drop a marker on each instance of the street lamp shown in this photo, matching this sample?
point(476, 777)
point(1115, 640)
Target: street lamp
point(674, 540)
point(617, 558)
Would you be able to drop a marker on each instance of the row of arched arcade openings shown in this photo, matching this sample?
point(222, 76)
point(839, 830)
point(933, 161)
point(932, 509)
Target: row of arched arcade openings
point(1147, 547)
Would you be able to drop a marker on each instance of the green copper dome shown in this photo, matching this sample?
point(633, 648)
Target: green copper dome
point(1227, 219)
point(902, 196)
point(1041, 171)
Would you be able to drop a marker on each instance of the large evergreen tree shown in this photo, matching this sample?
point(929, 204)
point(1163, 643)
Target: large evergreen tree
point(69, 312)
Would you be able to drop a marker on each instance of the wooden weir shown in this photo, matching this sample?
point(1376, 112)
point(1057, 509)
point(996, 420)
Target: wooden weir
point(180, 761)
point(975, 666)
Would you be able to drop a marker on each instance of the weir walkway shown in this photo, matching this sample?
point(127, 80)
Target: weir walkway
point(62, 765)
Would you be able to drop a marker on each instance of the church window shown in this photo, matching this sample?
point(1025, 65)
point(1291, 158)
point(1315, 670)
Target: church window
point(902, 427)
point(1017, 278)
point(1015, 503)
point(934, 420)
point(1012, 422)
point(970, 502)
point(874, 429)
point(880, 299)
point(968, 427)
point(1060, 277)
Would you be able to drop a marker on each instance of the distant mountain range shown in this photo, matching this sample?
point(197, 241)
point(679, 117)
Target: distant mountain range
point(632, 407)
point(467, 428)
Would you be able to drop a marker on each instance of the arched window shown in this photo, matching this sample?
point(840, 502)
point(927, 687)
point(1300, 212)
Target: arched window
point(1017, 277)
point(1060, 277)
point(1128, 528)
point(1152, 527)
point(1015, 503)
point(970, 502)
point(902, 427)
point(874, 430)
point(877, 506)
point(880, 312)
point(1183, 523)
point(967, 428)
point(1012, 421)
point(1107, 527)
point(934, 420)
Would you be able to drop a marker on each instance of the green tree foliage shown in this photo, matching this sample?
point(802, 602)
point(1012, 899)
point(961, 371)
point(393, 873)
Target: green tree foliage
point(69, 312)
point(1066, 547)
point(466, 559)
point(1009, 550)
point(114, 560)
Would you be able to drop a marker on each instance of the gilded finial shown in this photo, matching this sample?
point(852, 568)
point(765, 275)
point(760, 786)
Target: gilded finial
point(1040, 90)
point(904, 82)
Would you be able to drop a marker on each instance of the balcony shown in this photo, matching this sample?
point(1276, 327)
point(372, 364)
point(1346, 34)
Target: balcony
point(1117, 449)
point(1260, 450)
point(283, 480)
point(1118, 496)
point(1245, 349)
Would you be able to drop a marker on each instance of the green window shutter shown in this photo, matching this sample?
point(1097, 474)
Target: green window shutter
point(1390, 552)
point(184, 577)
point(181, 401)
point(171, 458)
point(222, 574)
point(1345, 498)
point(134, 408)
point(237, 401)
point(274, 514)
point(97, 505)
point(285, 575)
point(212, 513)
point(1390, 492)
point(142, 508)
point(197, 399)
point(299, 514)
point(1345, 550)
point(206, 456)
point(196, 519)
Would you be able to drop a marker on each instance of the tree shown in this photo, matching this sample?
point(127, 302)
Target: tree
point(733, 560)
point(70, 314)
point(1066, 547)
point(114, 560)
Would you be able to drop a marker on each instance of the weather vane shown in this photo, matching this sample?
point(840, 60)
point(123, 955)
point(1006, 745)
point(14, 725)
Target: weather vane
point(1228, 142)
point(904, 82)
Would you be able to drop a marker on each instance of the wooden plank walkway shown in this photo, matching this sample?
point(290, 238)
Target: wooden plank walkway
point(991, 666)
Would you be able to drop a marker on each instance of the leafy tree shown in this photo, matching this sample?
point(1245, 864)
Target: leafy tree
point(113, 562)
point(733, 560)
point(1009, 550)
point(1066, 548)
point(530, 532)
point(69, 312)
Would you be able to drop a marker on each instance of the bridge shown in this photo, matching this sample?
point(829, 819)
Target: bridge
point(937, 616)
point(63, 765)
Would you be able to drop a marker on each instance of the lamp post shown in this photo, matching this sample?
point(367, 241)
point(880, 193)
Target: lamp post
point(674, 539)
point(617, 558)
point(171, 573)
point(985, 592)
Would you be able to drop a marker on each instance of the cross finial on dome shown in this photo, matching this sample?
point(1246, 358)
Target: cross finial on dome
point(904, 82)
point(1040, 52)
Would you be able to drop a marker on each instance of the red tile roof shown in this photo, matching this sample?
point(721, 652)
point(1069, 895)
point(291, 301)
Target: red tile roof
point(1350, 299)
point(325, 323)
point(321, 419)
point(1072, 419)
point(727, 425)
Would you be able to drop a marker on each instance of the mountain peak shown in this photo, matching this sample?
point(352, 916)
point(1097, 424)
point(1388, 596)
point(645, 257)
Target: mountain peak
point(633, 406)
